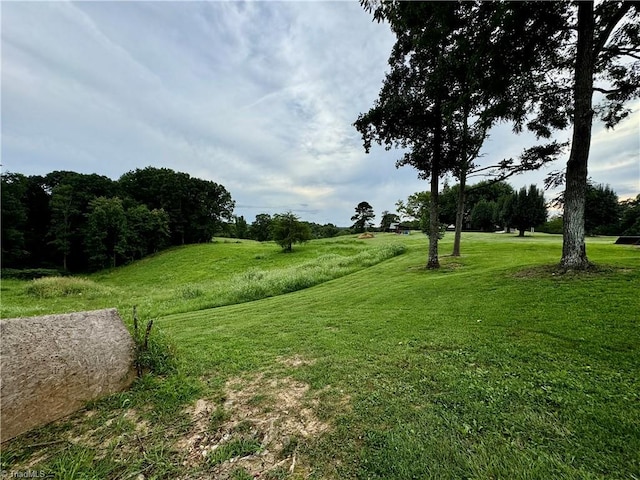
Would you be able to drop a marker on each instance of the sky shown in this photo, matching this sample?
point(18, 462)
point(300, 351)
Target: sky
point(257, 96)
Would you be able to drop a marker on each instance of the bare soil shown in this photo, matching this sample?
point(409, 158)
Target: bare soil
point(274, 412)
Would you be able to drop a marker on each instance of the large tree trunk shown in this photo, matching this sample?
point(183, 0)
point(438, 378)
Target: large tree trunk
point(459, 214)
point(434, 221)
point(434, 210)
point(464, 168)
point(574, 255)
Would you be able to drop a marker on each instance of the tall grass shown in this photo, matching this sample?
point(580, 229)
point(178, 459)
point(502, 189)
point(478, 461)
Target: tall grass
point(196, 278)
point(56, 287)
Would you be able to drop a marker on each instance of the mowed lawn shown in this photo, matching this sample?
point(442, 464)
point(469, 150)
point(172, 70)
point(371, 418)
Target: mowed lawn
point(493, 367)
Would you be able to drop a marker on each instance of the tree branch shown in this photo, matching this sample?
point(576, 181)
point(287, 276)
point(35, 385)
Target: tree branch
point(608, 27)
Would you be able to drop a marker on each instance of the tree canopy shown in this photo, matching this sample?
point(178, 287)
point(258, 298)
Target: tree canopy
point(362, 216)
point(82, 222)
point(287, 229)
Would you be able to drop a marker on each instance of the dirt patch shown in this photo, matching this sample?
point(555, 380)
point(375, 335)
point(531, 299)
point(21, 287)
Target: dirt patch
point(296, 361)
point(366, 235)
point(555, 271)
point(257, 429)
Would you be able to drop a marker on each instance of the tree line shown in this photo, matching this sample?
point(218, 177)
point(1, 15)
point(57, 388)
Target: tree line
point(268, 227)
point(84, 222)
point(496, 205)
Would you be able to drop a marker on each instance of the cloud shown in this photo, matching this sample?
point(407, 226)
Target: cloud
point(257, 96)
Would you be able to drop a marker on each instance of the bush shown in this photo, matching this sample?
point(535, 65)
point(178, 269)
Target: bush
point(554, 225)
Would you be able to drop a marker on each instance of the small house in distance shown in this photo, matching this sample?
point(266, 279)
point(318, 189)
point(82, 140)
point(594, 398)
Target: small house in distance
point(400, 229)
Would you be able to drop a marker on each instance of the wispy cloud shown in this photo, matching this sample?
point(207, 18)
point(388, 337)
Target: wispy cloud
point(258, 96)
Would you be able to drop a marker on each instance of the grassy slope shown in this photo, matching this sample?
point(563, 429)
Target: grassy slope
point(489, 368)
point(196, 277)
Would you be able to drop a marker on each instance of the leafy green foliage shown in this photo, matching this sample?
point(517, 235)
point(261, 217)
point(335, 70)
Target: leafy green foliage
point(483, 216)
point(528, 209)
point(362, 217)
point(261, 227)
point(155, 352)
point(287, 229)
point(86, 222)
point(601, 211)
point(630, 221)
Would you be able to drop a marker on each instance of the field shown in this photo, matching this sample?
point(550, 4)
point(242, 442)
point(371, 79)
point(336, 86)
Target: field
point(348, 360)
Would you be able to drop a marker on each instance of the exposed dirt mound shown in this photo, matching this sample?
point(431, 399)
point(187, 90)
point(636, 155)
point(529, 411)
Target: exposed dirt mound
point(256, 430)
point(366, 235)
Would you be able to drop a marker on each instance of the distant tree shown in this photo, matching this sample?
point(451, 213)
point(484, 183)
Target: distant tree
point(14, 219)
point(147, 231)
point(197, 208)
point(106, 232)
point(287, 229)
point(83, 189)
point(363, 216)
point(482, 216)
point(63, 211)
point(240, 227)
point(504, 212)
point(415, 208)
point(529, 209)
point(601, 210)
point(630, 217)
point(387, 220)
point(329, 230)
point(553, 225)
point(260, 229)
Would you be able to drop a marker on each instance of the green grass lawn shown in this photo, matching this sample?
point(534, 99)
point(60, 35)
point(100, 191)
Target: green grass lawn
point(492, 367)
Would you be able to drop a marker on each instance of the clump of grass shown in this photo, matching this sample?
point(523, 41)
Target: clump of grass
point(55, 287)
point(156, 354)
point(239, 447)
point(188, 292)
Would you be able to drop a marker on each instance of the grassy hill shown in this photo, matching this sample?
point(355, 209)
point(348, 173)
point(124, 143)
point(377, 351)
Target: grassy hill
point(493, 367)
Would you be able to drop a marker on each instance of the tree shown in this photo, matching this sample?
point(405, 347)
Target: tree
point(197, 208)
point(147, 231)
point(454, 62)
point(241, 228)
point(601, 210)
point(387, 220)
point(287, 229)
point(483, 215)
point(14, 218)
point(603, 56)
point(528, 209)
point(260, 229)
point(106, 232)
point(630, 217)
point(363, 216)
point(78, 192)
point(63, 210)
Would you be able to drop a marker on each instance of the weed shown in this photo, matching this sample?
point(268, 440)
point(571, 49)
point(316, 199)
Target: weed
point(239, 447)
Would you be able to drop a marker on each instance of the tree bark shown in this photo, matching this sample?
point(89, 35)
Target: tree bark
point(434, 222)
point(574, 255)
point(459, 214)
point(463, 181)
